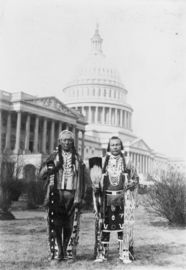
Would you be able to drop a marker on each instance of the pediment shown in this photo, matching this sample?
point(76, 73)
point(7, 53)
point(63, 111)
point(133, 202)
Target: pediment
point(140, 144)
point(52, 103)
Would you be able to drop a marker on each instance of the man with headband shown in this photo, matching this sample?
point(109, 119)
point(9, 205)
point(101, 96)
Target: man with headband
point(113, 180)
point(65, 174)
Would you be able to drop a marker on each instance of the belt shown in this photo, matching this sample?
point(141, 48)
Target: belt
point(114, 192)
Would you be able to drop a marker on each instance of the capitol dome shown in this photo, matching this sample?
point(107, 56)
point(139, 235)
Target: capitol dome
point(96, 68)
point(97, 91)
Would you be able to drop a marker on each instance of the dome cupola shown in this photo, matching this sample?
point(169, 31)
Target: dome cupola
point(96, 42)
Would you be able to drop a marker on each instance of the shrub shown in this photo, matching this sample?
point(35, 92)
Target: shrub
point(10, 186)
point(167, 198)
point(14, 188)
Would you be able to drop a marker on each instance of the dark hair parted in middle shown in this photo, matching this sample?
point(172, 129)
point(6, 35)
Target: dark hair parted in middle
point(114, 138)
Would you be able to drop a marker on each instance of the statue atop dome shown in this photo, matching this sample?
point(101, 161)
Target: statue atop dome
point(96, 42)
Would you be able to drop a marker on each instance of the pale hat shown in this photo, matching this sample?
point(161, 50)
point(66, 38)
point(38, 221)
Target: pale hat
point(65, 132)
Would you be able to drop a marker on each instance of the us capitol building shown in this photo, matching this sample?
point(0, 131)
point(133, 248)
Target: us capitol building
point(98, 93)
point(93, 106)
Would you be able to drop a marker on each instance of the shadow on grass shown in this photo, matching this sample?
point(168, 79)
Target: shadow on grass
point(160, 223)
point(166, 224)
point(157, 254)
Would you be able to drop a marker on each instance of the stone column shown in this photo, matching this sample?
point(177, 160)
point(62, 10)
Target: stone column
point(121, 118)
point(36, 134)
point(52, 137)
point(139, 168)
point(8, 132)
point(96, 114)
point(44, 136)
point(130, 120)
point(135, 163)
point(82, 144)
point(127, 123)
point(148, 164)
point(110, 116)
point(59, 128)
point(115, 120)
point(18, 133)
point(139, 163)
point(124, 112)
point(27, 135)
point(83, 111)
point(0, 134)
point(103, 115)
point(89, 115)
point(151, 164)
point(143, 164)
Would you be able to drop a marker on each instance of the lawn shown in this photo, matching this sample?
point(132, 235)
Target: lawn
point(23, 244)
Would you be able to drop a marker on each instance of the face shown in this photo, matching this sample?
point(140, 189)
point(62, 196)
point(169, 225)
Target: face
point(66, 143)
point(115, 147)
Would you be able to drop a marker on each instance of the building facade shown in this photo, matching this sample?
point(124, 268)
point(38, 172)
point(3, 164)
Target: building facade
point(30, 127)
point(93, 106)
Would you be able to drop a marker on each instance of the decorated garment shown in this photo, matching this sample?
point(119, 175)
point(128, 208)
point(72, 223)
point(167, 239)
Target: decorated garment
point(114, 181)
point(132, 182)
point(113, 194)
point(64, 173)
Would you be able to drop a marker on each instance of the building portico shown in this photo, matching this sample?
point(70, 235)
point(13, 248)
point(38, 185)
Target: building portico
point(31, 125)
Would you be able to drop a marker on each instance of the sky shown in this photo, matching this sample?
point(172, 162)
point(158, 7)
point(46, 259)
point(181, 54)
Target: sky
point(43, 41)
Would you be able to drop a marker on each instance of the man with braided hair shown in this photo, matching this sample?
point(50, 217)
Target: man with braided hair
point(64, 172)
point(112, 186)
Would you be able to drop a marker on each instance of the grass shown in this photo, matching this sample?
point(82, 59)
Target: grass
point(23, 244)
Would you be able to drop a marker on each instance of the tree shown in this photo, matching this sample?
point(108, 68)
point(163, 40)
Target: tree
point(167, 197)
point(10, 186)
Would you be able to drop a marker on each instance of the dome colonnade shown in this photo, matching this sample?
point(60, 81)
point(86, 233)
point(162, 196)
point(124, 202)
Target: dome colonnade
point(106, 106)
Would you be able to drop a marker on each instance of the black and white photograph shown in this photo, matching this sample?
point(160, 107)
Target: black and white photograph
point(92, 134)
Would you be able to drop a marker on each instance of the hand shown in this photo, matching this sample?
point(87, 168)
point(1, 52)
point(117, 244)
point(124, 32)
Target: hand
point(77, 204)
point(50, 167)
